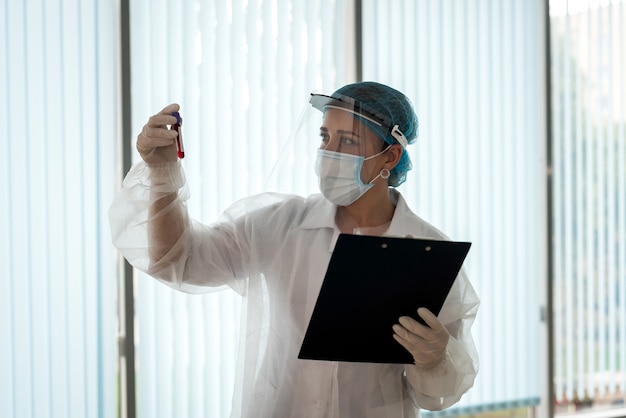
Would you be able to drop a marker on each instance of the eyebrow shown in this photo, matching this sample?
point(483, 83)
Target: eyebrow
point(341, 131)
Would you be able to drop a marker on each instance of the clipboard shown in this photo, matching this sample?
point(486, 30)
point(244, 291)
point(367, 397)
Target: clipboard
point(370, 282)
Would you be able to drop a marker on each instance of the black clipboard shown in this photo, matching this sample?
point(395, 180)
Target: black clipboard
point(370, 282)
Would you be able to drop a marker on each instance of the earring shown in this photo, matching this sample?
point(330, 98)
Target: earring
point(384, 173)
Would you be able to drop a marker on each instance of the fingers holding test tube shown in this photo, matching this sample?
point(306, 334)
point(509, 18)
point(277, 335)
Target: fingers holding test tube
point(156, 143)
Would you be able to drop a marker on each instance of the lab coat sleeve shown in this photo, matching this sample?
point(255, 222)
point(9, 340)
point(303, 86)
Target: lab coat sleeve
point(130, 216)
point(444, 385)
point(205, 257)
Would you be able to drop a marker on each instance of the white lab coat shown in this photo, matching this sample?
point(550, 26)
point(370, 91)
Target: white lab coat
point(274, 249)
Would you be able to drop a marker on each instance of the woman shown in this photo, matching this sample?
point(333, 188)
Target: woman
point(274, 249)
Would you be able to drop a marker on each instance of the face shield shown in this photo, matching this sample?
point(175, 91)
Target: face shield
point(335, 150)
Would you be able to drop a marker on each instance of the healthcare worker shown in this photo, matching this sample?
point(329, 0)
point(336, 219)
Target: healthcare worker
point(273, 249)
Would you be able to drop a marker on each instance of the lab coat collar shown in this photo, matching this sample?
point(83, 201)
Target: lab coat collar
point(403, 221)
point(406, 224)
point(321, 214)
point(403, 224)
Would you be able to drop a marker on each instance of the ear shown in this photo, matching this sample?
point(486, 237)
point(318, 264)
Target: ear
point(393, 156)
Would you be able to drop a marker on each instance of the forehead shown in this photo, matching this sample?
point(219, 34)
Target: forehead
point(343, 132)
point(335, 117)
point(341, 120)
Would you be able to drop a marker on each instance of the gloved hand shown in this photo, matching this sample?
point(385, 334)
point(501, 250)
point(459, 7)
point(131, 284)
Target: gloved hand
point(426, 344)
point(156, 143)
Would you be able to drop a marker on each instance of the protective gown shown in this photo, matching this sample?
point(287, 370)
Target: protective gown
point(273, 250)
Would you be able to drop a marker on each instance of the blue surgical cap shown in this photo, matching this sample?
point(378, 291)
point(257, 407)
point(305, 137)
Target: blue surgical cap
point(392, 106)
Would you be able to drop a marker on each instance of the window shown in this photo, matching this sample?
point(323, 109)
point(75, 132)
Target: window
point(242, 72)
point(589, 200)
point(58, 278)
point(476, 72)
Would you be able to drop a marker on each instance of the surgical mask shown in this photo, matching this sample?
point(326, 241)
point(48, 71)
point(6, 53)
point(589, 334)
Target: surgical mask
point(340, 176)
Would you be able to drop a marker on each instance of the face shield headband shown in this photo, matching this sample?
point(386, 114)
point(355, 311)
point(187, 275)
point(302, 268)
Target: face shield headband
point(322, 103)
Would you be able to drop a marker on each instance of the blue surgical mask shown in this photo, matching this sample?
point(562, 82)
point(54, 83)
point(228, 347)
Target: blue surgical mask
point(340, 176)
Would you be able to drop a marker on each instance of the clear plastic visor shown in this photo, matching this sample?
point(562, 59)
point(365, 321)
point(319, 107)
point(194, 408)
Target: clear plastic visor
point(333, 131)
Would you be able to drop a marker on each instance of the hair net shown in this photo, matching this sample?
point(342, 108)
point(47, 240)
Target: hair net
point(390, 105)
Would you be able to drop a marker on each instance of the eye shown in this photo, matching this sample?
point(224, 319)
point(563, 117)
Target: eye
point(325, 138)
point(346, 140)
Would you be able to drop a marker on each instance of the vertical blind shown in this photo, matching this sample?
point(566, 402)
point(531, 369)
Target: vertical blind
point(57, 267)
point(588, 43)
point(242, 72)
point(476, 72)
